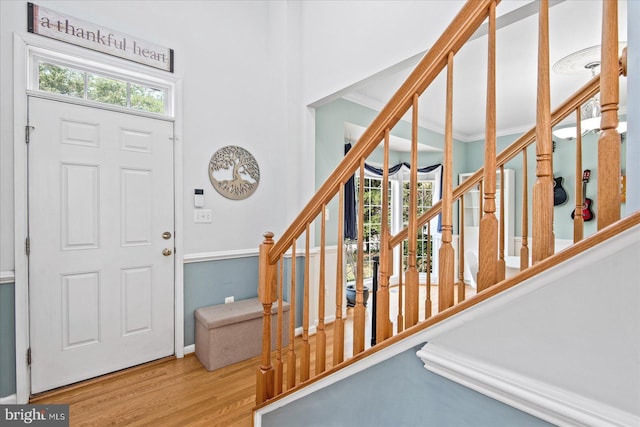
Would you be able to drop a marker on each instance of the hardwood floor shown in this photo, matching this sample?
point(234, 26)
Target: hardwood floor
point(180, 392)
point(168, 392)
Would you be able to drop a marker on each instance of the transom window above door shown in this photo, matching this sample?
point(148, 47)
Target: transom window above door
point(79, 80)
point(94, 87)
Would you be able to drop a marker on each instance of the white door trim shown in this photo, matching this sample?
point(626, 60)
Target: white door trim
point(21, 42)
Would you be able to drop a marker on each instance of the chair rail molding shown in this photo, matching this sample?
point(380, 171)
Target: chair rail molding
point(550, 403)
point(7, 277)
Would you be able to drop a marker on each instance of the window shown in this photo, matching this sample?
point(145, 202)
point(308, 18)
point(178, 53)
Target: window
point(62, 80)
point(371, 227)
point(109, 91)
point(80, 84)
point(398, 219)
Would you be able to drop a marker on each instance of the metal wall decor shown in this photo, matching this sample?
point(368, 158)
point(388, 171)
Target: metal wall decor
point(234, 172)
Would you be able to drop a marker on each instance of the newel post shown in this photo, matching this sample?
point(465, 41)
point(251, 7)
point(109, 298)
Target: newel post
point(267, 274)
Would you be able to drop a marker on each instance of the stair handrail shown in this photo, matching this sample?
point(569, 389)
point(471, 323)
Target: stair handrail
point(465, 23)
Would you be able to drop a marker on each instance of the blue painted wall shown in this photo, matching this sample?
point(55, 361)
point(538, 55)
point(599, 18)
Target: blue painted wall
point(208, 283)
point(7, 340)
point(299, 282)
point(399, 392)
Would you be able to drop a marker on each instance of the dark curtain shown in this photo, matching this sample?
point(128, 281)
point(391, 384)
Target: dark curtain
point(350, 229)
point(394, 169)
point(350, 214)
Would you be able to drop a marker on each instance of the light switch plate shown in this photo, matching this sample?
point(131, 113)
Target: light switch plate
point(202, 216)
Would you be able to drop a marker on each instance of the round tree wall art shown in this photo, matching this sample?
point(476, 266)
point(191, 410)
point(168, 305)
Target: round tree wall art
point(234, 172)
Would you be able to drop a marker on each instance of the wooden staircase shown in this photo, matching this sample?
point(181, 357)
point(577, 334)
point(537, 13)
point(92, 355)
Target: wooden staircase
point(271, 381)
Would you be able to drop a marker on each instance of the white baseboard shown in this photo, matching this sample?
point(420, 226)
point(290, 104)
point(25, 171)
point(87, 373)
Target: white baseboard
point(559, 244)
point(312, 330)
point(329, 319)
point(189, 349)
point(550, 403)
point(9, 400)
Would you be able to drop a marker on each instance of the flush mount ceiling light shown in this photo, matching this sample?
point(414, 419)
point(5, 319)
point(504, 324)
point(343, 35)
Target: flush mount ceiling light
point(586, 59)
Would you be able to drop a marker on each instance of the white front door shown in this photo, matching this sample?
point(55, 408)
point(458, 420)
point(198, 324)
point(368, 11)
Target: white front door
point(101, 264)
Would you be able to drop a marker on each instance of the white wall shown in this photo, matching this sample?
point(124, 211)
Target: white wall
point(574, 328)
point(345, 42)
point(237, 89)
point(633, 107)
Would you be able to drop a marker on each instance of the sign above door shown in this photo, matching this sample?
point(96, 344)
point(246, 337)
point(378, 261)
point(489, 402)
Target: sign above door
point(55, 25)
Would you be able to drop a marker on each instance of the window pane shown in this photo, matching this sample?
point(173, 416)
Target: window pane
point(147, 99)
point(425, 201)
point(107, 90)
point(62, 80)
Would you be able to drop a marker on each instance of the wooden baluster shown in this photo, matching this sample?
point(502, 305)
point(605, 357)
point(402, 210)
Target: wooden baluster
point(291, 357)
point(338, 325)
point(609, 140)
point(542, 226)
point(501, 263)
point(428, 304)
point(278, 370)
point(480, 201)
point(306, 348)
point(411, 275)
point(447, 255)
point(578, 219)
point(390, 270)
point(382, 297)
point(524, 248)
point(488, 244)
point(321, 337)
point(267, 295)
point(359, 309)
point(400, 321)
point(460, 284)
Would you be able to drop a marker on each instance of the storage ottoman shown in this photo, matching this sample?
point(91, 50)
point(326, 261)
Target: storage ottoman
point(230, 333)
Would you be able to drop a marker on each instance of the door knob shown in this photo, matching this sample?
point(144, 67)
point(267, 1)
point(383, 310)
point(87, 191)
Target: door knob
point(166, 252)
point(166, 235)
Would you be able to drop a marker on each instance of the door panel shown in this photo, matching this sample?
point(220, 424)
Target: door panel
point(100, 196)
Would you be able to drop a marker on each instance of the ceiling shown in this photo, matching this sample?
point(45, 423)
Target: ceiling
point(573, 25)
